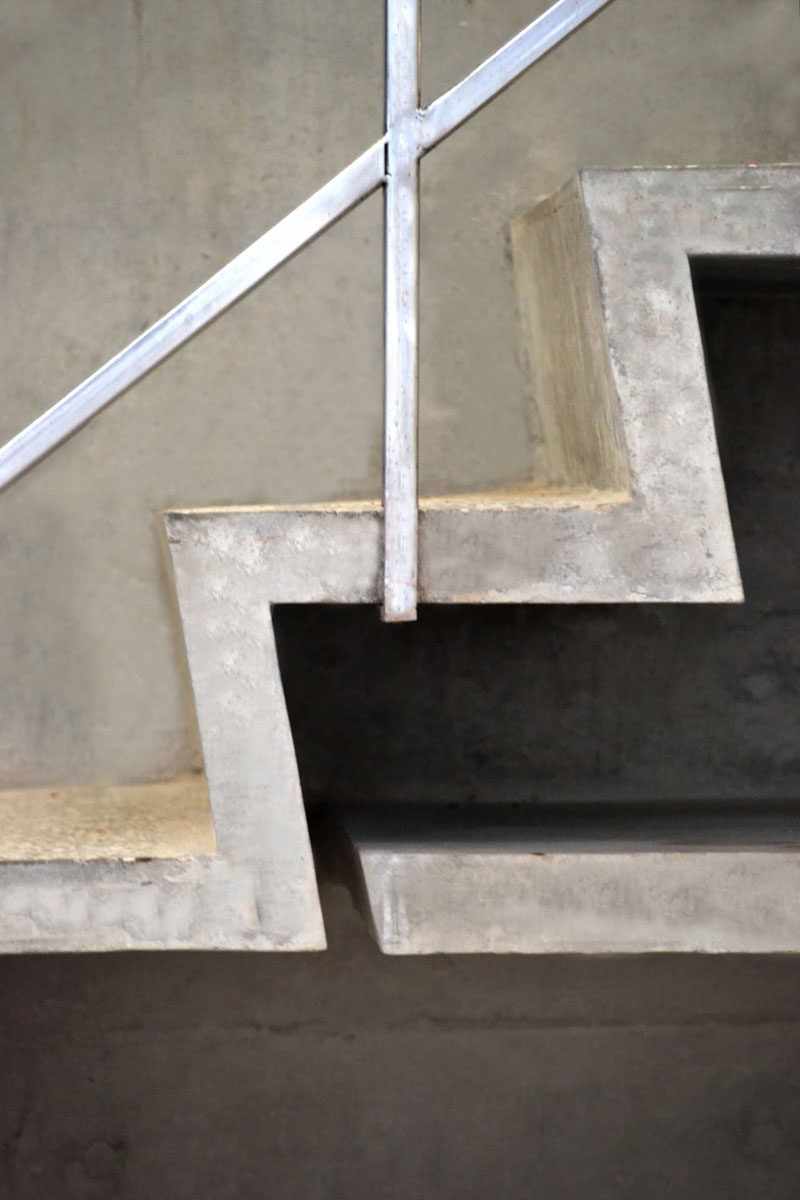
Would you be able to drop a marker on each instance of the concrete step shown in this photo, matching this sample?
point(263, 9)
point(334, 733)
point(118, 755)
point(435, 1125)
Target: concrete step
point(587, 880)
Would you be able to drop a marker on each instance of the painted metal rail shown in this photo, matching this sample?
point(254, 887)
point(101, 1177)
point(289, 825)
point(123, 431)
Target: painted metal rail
point(392, 162)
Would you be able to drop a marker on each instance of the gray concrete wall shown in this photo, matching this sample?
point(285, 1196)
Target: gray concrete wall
point(140, 148)
point(348, 1075)
point(132, 166)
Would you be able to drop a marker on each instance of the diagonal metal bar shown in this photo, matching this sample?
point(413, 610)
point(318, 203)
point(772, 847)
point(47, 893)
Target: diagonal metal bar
point(457, 105)
point(393, 161)
point(209, 301)
point(400, 510)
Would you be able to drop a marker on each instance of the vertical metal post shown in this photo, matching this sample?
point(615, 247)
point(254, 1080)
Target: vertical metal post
point(393, 162)
point(401, 317)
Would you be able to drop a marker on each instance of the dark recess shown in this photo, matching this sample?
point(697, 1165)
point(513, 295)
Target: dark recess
point(642, 704)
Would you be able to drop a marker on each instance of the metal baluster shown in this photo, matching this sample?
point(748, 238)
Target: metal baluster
point(393, 161)
point(400, 516)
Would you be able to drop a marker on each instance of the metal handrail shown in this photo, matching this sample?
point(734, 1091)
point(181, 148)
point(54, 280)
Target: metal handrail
point(394, 163)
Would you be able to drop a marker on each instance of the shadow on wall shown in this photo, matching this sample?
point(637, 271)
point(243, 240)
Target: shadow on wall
point(550, 703)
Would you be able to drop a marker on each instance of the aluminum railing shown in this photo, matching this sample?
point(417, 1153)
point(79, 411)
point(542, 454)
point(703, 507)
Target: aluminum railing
point(392, 162)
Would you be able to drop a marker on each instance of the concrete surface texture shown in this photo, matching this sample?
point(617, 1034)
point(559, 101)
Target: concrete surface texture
point(544, 703)
point(214, 1077)
point(607, 881)
point(138, 155)
point(349, 1074)
point(607, 291)
point(165, 820)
